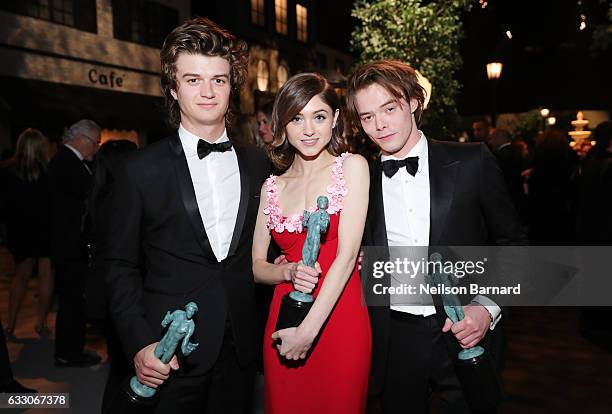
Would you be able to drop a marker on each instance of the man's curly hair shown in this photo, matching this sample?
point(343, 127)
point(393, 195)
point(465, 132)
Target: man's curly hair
point(201, 36)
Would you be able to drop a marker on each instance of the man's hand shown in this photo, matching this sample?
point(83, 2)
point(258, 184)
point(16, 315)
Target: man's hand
point(150, 371)
point(472, 328)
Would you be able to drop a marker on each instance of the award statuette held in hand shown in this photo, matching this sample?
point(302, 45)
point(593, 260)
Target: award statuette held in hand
point(139, 398)
point(295, 305)
point(475, 369)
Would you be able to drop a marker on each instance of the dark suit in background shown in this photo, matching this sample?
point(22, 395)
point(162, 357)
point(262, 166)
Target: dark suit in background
point(469, 205)
point(155, 212)
point(70, 182)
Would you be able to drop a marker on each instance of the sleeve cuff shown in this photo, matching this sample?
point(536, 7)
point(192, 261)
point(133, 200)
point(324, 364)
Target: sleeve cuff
point(491, 307)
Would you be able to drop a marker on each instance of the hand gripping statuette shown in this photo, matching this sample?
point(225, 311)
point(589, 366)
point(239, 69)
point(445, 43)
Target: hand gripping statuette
point(295, 305)
point(139, 398)
point(475, 369)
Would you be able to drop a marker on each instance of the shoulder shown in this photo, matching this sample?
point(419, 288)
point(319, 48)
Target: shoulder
point(461, 151)
point(354, 165)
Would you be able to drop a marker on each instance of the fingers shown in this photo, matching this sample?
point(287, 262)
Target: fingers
point(275, 335)
point(282, 259)
point(447, 325)
point(174, 363)
point(470, 341)
point(150, 370)
point(306, 278)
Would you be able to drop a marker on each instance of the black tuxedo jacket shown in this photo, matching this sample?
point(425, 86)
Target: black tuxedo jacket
point(154, 217)
point(69, 184)
point(469, 205)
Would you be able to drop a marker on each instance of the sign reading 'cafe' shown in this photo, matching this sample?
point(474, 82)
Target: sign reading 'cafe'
point(111, 79)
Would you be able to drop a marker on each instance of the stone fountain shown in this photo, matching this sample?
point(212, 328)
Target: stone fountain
point(579, 135)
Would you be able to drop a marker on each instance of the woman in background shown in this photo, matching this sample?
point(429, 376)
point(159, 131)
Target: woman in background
point(27, 197)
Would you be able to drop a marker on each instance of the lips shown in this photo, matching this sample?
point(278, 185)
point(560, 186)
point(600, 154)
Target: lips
point(309, 142)
point(387, 137)
point(207, 105)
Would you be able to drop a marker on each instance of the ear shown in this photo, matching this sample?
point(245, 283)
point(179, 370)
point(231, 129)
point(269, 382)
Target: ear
point(336, 115)
point(414, 105)
point(174, 95)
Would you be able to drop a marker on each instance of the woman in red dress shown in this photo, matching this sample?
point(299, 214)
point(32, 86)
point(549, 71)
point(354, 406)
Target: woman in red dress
point(323, 364)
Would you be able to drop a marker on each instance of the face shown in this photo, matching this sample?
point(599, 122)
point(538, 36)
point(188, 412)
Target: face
point(90, 145)
point(310, 131)
point(264, 127)
point(203, 90)
point(389, 123)
point(481, 131)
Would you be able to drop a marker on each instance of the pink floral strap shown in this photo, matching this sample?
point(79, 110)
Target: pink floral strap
point(337, 191)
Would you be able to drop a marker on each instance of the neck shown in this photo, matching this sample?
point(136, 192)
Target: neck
point(306, 166)
point(209, 133)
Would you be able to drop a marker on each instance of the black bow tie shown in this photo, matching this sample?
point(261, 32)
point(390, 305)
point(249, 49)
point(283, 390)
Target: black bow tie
point(390, 167)
point(205, 148)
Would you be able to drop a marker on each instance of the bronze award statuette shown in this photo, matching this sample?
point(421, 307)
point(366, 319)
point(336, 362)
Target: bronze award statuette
point(139, 398)
point(295, 305)
point(474, 366)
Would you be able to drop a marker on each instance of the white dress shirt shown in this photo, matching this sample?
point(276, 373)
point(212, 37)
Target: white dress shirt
point(216, 181)
point(406, 202)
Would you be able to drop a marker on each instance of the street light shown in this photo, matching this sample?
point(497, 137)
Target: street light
point(494, 70)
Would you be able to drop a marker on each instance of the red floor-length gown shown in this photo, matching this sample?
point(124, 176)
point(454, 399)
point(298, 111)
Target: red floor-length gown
point(334, 376)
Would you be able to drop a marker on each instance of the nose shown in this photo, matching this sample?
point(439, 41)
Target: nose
point(206, 90)
point(308, 128)
point(380, 123)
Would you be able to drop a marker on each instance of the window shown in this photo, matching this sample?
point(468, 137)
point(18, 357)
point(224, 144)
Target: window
point(80, 14)
point(258, 15)
point(142, 21)
point(280, 11)
point(282, 74)
point(301, 13)
point(263, 75)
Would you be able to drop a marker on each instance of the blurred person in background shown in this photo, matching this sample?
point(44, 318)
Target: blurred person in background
point(28, 221)
point(481, 129)
point(264, 124)
point(70, 179)
point(550, 188)
point(107, 159)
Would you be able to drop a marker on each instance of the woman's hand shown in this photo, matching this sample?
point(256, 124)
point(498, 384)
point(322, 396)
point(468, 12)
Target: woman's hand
point(294, 342)
point(305, 278)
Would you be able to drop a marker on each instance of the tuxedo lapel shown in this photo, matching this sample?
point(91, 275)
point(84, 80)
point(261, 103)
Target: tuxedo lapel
point(244, 198)
point(377, 208)
point(442, 174)
point(188, 197)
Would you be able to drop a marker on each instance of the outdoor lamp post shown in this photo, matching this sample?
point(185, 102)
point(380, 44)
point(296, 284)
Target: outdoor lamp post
point(494, 70)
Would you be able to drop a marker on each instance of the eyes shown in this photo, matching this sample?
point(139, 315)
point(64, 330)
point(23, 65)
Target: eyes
point(387, 109)
point(299, 119)
point(198, 81)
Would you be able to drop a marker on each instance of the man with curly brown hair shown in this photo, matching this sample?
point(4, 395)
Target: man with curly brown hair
point(187, 206)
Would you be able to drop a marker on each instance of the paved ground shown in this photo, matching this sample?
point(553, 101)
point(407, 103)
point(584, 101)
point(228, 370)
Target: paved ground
point(550, 368)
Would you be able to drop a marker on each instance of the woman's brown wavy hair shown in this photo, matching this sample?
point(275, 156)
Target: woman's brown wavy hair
point(291, 99)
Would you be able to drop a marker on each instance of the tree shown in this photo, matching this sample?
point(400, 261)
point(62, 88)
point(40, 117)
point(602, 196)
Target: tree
point(426, 36)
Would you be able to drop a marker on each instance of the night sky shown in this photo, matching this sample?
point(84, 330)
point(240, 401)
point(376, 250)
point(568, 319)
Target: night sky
point(546, 63)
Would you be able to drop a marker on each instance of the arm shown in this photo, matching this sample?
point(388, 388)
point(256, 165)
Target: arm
point(167, 319)
point(297, 341)
point(186, 347)
point(120, 250)
point(505, 229)
point(263, 271)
